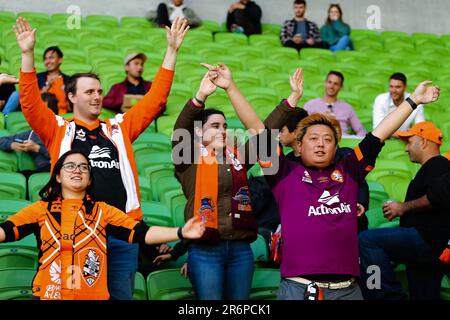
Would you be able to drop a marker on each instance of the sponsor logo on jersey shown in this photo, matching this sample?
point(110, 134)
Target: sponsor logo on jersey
point(306, 177)
point(99, 153)
point(327, 200)
point(92, 262)
point(243, 197)
point(80, 135)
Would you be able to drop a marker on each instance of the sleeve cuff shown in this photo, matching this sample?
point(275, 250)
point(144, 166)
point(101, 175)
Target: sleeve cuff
point(192, 104)
point(286, 102)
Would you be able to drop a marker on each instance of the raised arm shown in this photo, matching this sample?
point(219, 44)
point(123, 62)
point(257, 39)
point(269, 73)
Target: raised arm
point(393, 121)
point(191, 230)
point(144, 112)
point(221, 77)
point(40, 118)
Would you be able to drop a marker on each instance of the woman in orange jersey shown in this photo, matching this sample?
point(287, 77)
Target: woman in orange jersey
point(72, 229)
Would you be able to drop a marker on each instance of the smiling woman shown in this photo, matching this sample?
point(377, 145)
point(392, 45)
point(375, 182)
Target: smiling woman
point(72, 231)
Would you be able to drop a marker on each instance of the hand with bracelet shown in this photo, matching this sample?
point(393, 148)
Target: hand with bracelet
point(205, 89)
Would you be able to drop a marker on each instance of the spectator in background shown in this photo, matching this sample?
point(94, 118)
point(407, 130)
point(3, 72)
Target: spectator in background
point(9, 97)
point(423, 234)
point(299, 32)
point(28, 141)
point(338, 109)
point(166, 14)
point(125, 94)
point(387, 102)
point(447, 155)
point(244, 17)
point(53, 80)
point(335, 32)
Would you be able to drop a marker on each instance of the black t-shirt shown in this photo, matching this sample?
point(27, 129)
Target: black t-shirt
point(139, 89)
point(104, 160)
point(434, 224)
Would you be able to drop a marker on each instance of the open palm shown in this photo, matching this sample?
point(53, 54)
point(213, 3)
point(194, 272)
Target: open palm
point(296, 82)
point(176, 33)
point(26, 37)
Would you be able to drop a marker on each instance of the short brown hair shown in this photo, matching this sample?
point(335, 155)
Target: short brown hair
point(315, 119)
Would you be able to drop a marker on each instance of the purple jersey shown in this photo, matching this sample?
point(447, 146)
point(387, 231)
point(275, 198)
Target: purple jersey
point(318, 213)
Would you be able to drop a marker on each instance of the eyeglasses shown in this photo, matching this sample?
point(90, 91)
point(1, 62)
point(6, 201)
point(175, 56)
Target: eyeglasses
point(72, 166)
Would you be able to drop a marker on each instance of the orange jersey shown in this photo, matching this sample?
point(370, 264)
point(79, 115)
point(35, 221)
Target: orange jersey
point(72, 245)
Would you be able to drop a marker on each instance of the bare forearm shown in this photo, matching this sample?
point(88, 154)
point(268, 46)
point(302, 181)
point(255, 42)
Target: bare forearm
point(2, 235)
point(27, 61)
point(393, 121)
point(244, 110)
point(157, 234)
point(420, 204)
point(170, 59)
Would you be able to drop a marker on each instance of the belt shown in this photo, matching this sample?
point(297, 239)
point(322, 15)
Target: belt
point(326, 285)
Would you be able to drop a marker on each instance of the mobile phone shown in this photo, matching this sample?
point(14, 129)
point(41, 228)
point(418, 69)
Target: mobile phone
point(18, 140)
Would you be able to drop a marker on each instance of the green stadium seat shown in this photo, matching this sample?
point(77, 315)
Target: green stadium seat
point(25, 161)
point(169, 284)
point(260, 249)
point(10, 207)
point(209, 25)
point(140, 287)
point(265, 284)
point(18, 257)
point(317, 54)
point(281, 53)
point(262, 65)
point(16, 283)
point(377, 220)
point(227, 38)
point(7, 17)
point(264, 40)
point(155, 141)
point(445, 287)
point(145, 159)
point(102, 21)
point(376, 199)
point(60, 19)
point(145, 188)
point(271, 28)
point(165, 124)
point(35, 18)
point(127, 22)
point(156, 214)
point(16, 122)
point(13, 185)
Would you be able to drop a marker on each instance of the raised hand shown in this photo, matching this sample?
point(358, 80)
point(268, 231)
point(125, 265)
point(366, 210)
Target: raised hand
point(26, 37)
point(423, 94)
point(206, 88)
point(219, 75)
point(176, 33)
point(193, 229)
point(296, 82)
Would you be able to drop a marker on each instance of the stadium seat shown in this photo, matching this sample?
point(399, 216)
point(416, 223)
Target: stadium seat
point(377, 220)
point(228, 38)
point(265, 284)
point(153, 141)
point(16, 122)
point(25, 161)
point(102, 21)
point(156, 214)
point(35, 18)
point(132, 22)
point(260, 249)
point(16, 283)
point(35, 183)
point(18, 257)
point(145, 159)
point(8, 161)
point(13, 185)
point(145, 188)
point(9, 207)
point(140, 287)
point(169, 284)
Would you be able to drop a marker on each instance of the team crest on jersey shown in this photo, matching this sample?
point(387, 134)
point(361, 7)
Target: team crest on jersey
point(306, 177)
point(92, 264)
point(115, 128)
point(243, 197)
point(80, 135)
point(337, 176)
point(207, 209)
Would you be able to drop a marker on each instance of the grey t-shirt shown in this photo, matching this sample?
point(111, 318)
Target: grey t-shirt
point(300, 28)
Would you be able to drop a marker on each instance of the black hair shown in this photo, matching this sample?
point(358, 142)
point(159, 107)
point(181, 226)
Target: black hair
point(398, 76)
point(51, 100)
point(300, 2)
point(52, 190)
point(298, 115)
point(337, 74)
point(206, 113)
point(71, 85)
point(54, 48)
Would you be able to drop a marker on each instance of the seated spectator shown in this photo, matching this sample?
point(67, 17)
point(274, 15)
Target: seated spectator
point(244, 16)
point(166, 14)
point(28, 141)
point(9, 97)
point(387, 102)
point(423, 233)
point(299, 32)
point(53, 80)
point(338, 109)
point(335, 32)
point(122, 95)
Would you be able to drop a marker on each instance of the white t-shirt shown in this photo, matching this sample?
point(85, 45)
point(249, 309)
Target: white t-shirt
point(177, 11)
point(384, 105)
